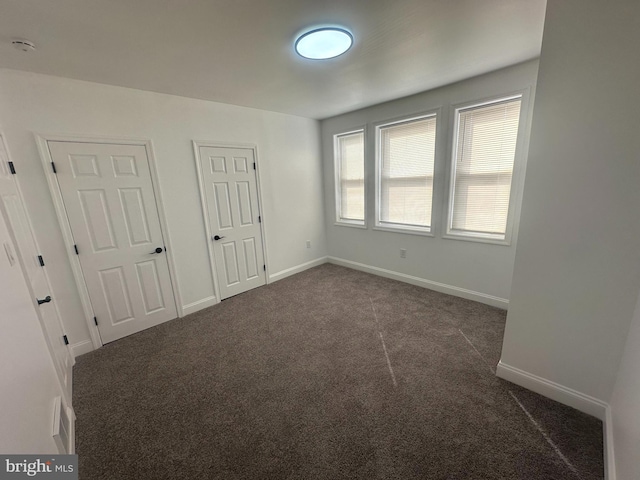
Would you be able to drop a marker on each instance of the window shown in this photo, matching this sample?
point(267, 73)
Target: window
point(349, 165)
point(404, 174)
point(484, 150)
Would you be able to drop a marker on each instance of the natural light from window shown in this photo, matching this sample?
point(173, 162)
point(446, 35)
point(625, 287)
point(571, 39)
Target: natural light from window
point(349, 154)
point(484, 155)
point(405, 172)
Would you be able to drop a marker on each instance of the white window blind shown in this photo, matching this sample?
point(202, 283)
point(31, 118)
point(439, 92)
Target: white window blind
point(483, 161)
point(350, 182)
point(406, 156)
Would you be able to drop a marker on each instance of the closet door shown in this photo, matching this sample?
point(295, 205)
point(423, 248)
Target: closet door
point(110, 203)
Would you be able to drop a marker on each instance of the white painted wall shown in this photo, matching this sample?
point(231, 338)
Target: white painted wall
point(577, 270)
point(27, 375)
point(288, 155)
point(625, 405)
point(478, 267)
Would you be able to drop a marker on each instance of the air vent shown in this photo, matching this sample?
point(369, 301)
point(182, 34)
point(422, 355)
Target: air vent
point(62, 427)
point(23, 45)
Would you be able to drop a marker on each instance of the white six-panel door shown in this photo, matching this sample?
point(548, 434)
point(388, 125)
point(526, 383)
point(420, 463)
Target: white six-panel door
point(231, 200)
point(28, 256)
point(109, 200)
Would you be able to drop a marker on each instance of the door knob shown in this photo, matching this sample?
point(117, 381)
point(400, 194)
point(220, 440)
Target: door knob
point(47, 299)
point(217, 237)
point(157, 250)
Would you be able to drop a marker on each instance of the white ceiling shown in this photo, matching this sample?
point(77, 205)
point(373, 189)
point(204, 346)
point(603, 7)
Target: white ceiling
point(240, 51)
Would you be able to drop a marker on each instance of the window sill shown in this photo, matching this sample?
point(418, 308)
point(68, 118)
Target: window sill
point(478, 239)
point(410, 231)
point(352, 225)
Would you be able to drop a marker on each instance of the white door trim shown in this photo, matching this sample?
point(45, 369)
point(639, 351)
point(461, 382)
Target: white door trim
point(63, 220)
point(205, 211)
point(66, 389)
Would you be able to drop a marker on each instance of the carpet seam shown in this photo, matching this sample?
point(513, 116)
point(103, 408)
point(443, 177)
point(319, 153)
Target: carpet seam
point(546, 437)
point(476, 350)
point(384, 346)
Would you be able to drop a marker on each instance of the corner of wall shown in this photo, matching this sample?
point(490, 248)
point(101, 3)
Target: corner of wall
point(565, 395)
point(274, 277)
point(609, 455)
point(572, 398)
point(80, 348)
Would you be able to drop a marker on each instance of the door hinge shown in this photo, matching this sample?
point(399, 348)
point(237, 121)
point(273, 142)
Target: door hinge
point(264, 267)
point(254, 165)
point(259, 219)
point(95, 320)
point(66, 340)
point(41, 260)
point(12, 169)
point(53, 167)
point(75, 247)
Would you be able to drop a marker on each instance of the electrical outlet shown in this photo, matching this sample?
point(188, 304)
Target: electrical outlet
point(403, 253)
point(308, 243)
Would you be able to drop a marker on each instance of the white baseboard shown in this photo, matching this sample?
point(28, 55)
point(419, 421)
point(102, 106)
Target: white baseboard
point(80, 348)
point(199, 305)
point(423, 282)
point(297, 269)
point(609, 457)
point(567, 396)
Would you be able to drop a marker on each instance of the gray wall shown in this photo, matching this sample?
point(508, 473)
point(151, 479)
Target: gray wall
point(476, 270)
point(577, 271)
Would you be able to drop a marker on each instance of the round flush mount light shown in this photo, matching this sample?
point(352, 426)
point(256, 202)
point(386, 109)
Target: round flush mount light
point(23, 45)
point(324, 43)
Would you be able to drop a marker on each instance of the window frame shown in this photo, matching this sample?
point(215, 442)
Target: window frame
point(337, 159)
point(404, 228)
point(516, 176)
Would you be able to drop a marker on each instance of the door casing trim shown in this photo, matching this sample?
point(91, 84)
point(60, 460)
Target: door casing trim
point(203, 201)
point(42, 140)
point(68, 389)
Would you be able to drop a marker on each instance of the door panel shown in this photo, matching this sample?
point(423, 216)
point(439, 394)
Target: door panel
point(231, 267)
point(116, 292)
point(12, 206)
point(149, 282)
point(135, 216)
point(109, 200)
point(250, 257)
point(231, 198)
point(97, 219)
point(222, 206)
point(244, 203)
point(124, 166)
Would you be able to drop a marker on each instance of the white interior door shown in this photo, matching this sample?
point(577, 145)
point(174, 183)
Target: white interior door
point(109, 199)
point(231, 198)
point(28, 256)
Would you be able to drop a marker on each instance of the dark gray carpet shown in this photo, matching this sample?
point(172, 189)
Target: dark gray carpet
point(291, 381)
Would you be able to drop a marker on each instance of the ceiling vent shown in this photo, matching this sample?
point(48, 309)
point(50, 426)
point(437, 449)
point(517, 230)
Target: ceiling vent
point(23, 45)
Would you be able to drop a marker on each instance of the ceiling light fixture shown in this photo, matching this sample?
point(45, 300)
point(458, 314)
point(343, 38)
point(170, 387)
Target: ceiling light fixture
point(324, 43)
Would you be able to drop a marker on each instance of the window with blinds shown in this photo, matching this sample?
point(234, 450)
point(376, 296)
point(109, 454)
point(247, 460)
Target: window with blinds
point(406, 157)
point(482, 168)
point(349, 163)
